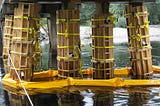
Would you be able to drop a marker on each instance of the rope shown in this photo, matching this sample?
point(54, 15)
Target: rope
point(21, 82)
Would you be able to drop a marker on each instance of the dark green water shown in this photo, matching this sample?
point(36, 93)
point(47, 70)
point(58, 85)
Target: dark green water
point(136, 96)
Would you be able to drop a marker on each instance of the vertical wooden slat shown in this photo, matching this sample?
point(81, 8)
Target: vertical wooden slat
point(7, 41)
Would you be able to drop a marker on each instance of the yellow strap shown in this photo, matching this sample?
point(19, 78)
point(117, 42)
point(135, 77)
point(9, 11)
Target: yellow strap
point(8, 20)
point(7, 34)
point(103, 68)
point(5, 47)
point(102, 36)
point(146, 58)
point(30, 30)
point(22, 38)
point(63, 47)
point(138, 37)
point(98, 59)
point(20, 28)
point(140, 26)
point(130, 26)
point(7, 38)
point(26, 17)
point(127, 14)
point(18, 53)
point(98, 19)
point(101, 47)
point(69, 34)
point(139, 47)
point(111, 18)
point(137, 14)
point(61, 57)
point(69, 70)
point(67, 20)
point(7, 26)
point(21, 68)
point(145, 25)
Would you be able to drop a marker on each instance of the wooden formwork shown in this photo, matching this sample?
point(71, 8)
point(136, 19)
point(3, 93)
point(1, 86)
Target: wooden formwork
point(27, 9)
point(141, 62)
point(24, 73)
point(138, 39)
point(69, 59)
point(103, 70)
point(137, 24)
point(24, 41)
point(7, 36)
point(102, 46)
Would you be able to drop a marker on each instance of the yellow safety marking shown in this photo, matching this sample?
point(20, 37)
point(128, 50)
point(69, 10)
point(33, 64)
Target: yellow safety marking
point(99, 59)
point(69, 34)
point(101, 47)
point(102, 36)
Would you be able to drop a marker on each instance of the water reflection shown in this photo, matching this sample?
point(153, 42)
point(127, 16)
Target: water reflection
point(104, 99)
point(69, 100)
point(87, 97)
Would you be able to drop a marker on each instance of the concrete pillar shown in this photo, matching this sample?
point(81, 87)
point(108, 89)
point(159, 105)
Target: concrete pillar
point(102, 7)
point(52, 33)
point(52, 40)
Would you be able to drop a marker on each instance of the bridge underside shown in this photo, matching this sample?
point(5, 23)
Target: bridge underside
point(62, 1)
